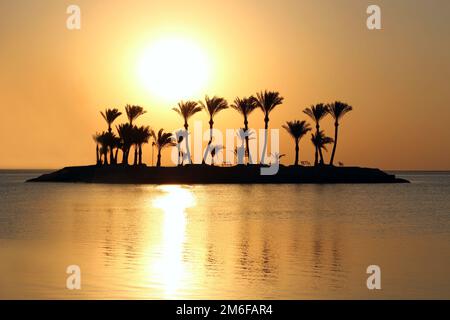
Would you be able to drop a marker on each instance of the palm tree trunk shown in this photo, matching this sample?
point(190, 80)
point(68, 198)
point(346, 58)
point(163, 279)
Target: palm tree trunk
point(321, 156)
point(336, 125)
point(135, 155)
point(266, 136)
point(126, 152)
point(316, 161)
point(211, 125)
point(186, 127)
point(140, 154)
point(316, 157)
point(97, 155)
point(247, 144)
point(115, 156)
point(297, 148)
point(158, 161)
point(247, 147)
point(105, 156)
point(111, 155)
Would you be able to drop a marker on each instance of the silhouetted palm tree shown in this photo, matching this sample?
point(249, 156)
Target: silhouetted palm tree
point(113, 141)
point(320, 141)
point(186, 110)
point(242, 150)
point(297, 129)
point(126, 133)
point(213, 106)
point(142, 135)
point(337, 110)
point(97, 149)
point(117, 144)
point(245, 106)
point(317, 113)
point(162, 140)
point(106, 141)
point(110, 115)
point(179, 136)
point(267, 101)
point(134, 112)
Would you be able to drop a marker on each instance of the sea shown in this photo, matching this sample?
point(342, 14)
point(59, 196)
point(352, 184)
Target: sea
point(346, 241)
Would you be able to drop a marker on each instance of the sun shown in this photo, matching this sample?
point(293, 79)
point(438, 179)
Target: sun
point(174, 69)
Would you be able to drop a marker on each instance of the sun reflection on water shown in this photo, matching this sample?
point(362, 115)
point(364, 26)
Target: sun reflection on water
point(174, 202)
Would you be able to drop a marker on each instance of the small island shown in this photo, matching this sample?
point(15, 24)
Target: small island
point(205, 174)
point(248, 167)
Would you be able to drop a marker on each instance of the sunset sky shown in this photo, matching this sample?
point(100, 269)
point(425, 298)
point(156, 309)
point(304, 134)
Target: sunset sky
point(54, 82)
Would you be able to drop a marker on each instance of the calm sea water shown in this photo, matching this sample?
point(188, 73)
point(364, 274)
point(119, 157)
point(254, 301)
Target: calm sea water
point(225, 242)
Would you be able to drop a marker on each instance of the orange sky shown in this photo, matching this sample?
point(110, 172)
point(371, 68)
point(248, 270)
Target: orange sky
point(53, 81)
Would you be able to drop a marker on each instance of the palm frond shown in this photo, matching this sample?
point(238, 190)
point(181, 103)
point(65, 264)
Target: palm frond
point(338, 109)
point(244, 106)
point(297, 129)
point(187, 109)
point(142, 134)
point(213, 105)
point(163, 139)
point(316, 112)
point(268, 100)
point(320, 140)
point(110, 115)
point(133, 112)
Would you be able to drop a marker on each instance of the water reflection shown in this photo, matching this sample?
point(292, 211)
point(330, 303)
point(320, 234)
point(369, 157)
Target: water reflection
point(223, 242)
point(174, 202)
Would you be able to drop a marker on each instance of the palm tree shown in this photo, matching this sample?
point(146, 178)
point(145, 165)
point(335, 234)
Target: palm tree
point(162, 140)
point(267, 101)
point(186, 110)
point(105, 140)
point(241, 151)
point(320, 140)
point(117, 144)
point(337, 110)
point(245, 106)
point(111, 140)
point(297, 129)
point(213, 106)
point(134, 112)
point(126, 134)
point(142, 135)
point(110, 115)
point(98, 147)
point(317, 113)
point(179, 136)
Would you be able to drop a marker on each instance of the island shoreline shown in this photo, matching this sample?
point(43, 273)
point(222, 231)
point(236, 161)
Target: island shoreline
point(205, 174)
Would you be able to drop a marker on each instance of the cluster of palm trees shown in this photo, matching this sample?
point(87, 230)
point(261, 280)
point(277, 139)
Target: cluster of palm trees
point(130, 135)
point(297, 129)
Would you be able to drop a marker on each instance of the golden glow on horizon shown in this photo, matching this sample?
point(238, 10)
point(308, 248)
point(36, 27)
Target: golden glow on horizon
point(174, 68)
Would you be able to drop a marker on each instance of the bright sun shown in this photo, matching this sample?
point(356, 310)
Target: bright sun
point(174, 69)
